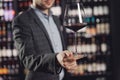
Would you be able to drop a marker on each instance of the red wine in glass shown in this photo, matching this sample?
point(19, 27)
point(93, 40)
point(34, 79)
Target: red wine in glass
point(76, 27)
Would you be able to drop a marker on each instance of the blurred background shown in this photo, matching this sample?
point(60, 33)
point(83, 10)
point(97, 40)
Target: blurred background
point(99, 40)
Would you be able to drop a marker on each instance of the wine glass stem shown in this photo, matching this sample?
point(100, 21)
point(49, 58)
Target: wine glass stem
point(75, 42)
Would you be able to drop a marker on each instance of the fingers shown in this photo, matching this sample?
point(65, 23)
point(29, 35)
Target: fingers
point(78, 56)
point(70, 63)
point(64, 54)
point(72, 70)
point(70, 66)
point(72, 58)
point(67, 53)
point(69, 59)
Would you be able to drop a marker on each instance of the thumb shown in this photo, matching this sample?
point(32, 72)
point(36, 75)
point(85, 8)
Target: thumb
point(68, 53)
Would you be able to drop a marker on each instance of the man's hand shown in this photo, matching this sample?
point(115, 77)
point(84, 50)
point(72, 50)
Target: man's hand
point(60, 56)
point(68, 60)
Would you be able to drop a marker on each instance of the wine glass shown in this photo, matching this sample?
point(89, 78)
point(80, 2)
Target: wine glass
point(74, 18)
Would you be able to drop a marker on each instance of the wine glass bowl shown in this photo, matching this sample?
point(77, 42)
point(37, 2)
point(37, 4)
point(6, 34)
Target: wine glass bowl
point(75, 27)
point(74, 17)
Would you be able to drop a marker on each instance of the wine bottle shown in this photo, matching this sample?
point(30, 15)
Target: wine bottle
point(6, 12)
point(0, 53)
point(0, 33)
point(98, 26)
point(4, 32)
point(1, 10)
point(88, 46)
point(99, 71)
point(4, 53)
point(9, 32)
point(56, 9)
point(11, 11)
point(104, 46)
point(106, 10)
point(107, 26)
point(89, 68)
point(71, 42)
point(83, 46)
point(94, 67)
point(79, 49)
point(9, 50)
point(103, 67)
point(93, 46)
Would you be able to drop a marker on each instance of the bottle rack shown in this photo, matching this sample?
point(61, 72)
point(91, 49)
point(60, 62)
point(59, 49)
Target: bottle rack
point(94, 41)
point(9, 63)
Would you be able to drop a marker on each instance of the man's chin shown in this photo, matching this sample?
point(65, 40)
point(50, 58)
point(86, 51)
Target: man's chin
point(49, 6)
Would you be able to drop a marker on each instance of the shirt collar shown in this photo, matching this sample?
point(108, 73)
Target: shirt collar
point(41, 13)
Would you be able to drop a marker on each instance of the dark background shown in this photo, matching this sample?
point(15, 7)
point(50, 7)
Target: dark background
point(115, 30)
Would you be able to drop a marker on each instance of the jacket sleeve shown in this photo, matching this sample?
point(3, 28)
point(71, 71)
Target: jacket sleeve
point(26, 51)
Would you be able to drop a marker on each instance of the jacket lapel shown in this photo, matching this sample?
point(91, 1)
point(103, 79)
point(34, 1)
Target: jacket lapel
point(40, 24)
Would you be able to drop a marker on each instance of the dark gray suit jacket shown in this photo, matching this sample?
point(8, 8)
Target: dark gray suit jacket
point(34, 46)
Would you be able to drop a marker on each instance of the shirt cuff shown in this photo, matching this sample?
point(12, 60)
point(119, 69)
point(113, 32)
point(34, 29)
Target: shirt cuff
point(58, 67)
